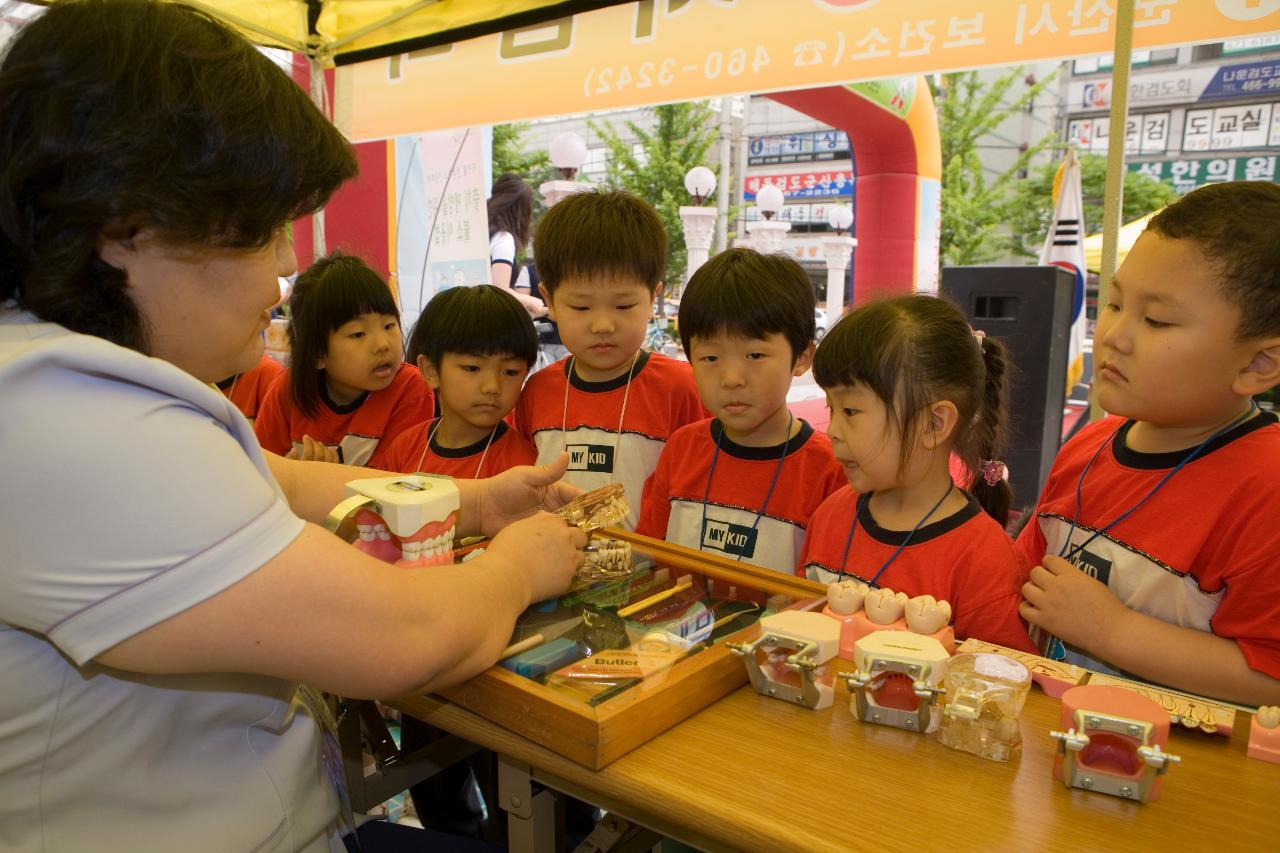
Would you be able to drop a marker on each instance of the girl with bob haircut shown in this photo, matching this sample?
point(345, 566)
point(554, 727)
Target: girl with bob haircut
point(908, 384)
point(156, 625)
point(347, 392)
point(475, 346)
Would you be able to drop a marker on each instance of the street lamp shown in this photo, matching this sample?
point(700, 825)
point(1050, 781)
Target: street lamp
point(768, 234)
point(837, 249)
point(568, 152)
point(699, 222)
point(769, 200)
point(840, 218)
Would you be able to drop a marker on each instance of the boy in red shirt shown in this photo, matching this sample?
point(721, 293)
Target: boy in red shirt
point(601, 257)
point(1154, 543)
point(474, 346)
point(744, 483)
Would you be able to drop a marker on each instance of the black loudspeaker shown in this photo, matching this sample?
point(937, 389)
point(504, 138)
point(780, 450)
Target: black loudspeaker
point(1029, 310)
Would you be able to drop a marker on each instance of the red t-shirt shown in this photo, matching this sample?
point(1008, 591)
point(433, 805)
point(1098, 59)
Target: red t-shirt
point(247, 390)
point(563, 414)
point(409, 453)
point(966, 559)
point(360, 429)
point(672, 508)
point(1203, 552)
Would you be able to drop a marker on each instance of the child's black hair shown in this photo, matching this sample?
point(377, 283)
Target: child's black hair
point(742, 293)
point(601, 234)
point(1234, 224)
point(334, 290)
point(916, 350)
point(480, 320)
point(123, 115)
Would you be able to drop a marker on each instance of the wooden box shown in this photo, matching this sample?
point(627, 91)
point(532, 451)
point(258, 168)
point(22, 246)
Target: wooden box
point(598, 730)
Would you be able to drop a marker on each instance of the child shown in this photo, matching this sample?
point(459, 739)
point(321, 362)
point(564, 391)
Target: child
point(745, 482)
point(1169, 508)
point(474, 346)
point(248, 390)
point(347, 393)
point(908, 382)
point(601, 257)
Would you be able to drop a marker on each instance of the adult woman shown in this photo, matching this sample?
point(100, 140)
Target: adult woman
point(510, 217)
point(164, 584)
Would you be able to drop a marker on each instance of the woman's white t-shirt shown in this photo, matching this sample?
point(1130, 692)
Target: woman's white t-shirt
point(131, 492)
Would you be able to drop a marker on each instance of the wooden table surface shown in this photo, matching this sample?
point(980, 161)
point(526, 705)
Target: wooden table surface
point(752, 773)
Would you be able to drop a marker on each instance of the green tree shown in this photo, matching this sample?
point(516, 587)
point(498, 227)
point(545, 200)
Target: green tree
point(1031, 208)
point(509, 155)
point(677, 142)
point(973, 203)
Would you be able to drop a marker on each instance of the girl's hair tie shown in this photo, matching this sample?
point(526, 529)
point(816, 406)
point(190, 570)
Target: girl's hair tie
point(993, 471)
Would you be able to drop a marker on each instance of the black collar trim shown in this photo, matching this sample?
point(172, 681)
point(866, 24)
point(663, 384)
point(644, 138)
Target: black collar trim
point(924, 534)
point(609, 384)
point(1156, 461)
point(334, 407)
point(774, 451)
point(471, 449)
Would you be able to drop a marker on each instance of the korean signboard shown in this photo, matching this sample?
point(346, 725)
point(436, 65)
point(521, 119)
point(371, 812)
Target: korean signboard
point(798, 147)
point(659, 52)
point(1186, 175)
point(1144, 134)
point(1236, 127)
point(829, 183)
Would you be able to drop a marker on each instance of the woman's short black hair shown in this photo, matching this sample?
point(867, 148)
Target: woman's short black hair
point(743, 293)
point(117, 115)
point(334, 290)
point(478, 320)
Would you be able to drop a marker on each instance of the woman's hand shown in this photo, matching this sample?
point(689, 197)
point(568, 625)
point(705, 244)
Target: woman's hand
point(519, 492)
point(547, 549)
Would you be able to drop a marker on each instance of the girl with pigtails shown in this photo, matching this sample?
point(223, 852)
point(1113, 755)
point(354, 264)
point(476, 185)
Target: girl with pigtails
point(910, 386)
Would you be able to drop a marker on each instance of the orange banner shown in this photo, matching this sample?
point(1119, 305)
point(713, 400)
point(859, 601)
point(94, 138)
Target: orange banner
point(659, 51)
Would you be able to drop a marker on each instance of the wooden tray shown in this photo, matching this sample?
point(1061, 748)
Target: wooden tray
point(596, 735)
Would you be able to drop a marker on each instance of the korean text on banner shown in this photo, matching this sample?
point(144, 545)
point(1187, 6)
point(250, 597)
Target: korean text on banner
point(1064, 247)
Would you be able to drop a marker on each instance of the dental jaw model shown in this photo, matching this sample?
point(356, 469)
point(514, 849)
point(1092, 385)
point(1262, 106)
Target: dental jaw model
point(607, 559)
point(985, 694)
point(788, 660)
point(408, 520)
point(897, 679)
point(862, 610)
point(1113, 744)
point(1264, 734)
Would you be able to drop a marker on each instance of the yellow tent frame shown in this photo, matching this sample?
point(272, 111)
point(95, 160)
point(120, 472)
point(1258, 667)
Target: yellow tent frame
point(345, 31)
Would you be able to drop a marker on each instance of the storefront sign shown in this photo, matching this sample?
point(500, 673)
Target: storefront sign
point(1206, 83)
point(1186, 175)
point(825, 184)
point(659, 52)
point(1227, 128)
point(1144, 134)
point(798, 147)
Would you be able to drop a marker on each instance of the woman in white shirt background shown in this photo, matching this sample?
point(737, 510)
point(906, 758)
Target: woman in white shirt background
point(510, 220)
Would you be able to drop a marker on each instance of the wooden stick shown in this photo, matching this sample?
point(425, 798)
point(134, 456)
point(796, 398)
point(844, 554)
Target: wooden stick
point(681, 585)
point(522, 646)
